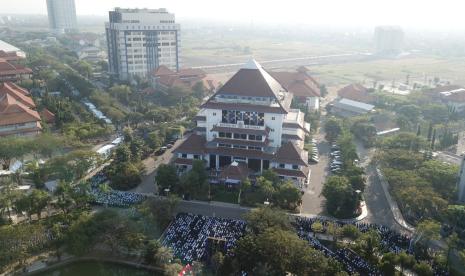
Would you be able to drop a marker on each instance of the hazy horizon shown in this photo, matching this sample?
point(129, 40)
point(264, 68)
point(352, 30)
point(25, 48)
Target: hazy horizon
point(446, 14)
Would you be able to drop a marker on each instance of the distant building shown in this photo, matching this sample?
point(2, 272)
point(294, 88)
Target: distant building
point(164, 78)
point(302, 85)
point(17, 112)
point(248, 123)
point(389, 40)
point(90, 53)
point(454, 99)
point(348, 108)
point(10, 71)
point(61, 15)
point(10, 52)
point(356, 92)
point(141, 40)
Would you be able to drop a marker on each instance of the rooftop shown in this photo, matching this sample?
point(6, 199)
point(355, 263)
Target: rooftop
point(355, 92)
point(354, 105)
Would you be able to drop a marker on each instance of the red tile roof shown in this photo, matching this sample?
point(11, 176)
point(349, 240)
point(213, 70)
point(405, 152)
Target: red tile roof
point(194, 144)
point(13, 111)
point(251, 82)
point(17, 93)
point(301, 84)
point(48, 116)
point(8, 68)
point(235, 171)
point(9, 56)
point(292, 173)
point(290, 154)
point(356, 92)
point(162, 70)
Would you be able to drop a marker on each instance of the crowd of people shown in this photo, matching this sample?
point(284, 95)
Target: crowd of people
point(391, 240)
point(188, 234)
point(352, 262)
point(110, 197)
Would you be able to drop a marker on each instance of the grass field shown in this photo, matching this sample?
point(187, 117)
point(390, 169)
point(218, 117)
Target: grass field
point(392, 69)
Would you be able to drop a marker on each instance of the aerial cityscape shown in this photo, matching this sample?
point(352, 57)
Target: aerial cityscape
point(246, 138)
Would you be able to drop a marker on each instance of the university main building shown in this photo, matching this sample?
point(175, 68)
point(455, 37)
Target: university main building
point(247, 127)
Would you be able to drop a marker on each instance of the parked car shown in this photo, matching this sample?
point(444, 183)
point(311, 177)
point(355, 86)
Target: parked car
point(169, 146)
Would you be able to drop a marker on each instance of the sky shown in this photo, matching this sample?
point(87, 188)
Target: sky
point(435, 14)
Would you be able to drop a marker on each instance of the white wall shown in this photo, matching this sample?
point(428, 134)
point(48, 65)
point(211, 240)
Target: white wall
point(276, 127)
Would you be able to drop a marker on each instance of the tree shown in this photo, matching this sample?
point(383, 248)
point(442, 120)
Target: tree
point(368, 246)
point(258, 220)
point(58, 235)
point(411, 112)
point(333, 127)
point(317, 227)
point(195, 182)
point(405, 261)
point(124, 176)
point(198, 90)
point(350, 231)
point(64, 200)
point(323, 90)
point(288, 196)
point(11, 148)
point(162, 210)
point(277, 252)
point(406, 141)
point(341, 200)
point(430, 131)
point(166, 177)
point(150, 251)
point(163, 256)
point(265, 188)
point(217, 261)
point(388, 264)
point(425, 232)
point(334, 230)
point(121, 92)
point(423, 268)
point(442, 176)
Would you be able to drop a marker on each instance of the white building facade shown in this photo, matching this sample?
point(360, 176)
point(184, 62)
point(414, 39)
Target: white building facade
point(62, 15)
point(140, 40)
point(249, 121)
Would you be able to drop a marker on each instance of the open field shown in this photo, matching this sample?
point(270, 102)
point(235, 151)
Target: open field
point(393, 69)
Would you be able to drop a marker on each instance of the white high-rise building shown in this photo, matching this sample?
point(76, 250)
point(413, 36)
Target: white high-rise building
point(140, 40)
point(61, 15)
point(389, 40)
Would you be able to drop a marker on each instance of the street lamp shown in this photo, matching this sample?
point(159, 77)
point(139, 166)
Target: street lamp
point(167, 190)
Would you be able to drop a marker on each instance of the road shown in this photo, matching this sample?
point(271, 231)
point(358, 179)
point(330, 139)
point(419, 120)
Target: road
point(287, 61)
point(312, 201)
point(213, 209)
point(151, 164)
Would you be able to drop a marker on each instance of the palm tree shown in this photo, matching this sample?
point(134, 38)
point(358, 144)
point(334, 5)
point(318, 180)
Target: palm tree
point(164, 255)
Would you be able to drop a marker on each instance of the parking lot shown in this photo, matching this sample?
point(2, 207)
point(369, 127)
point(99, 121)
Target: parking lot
point(312, 202)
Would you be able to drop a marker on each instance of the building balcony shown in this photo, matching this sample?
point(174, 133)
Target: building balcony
point(241, 124)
